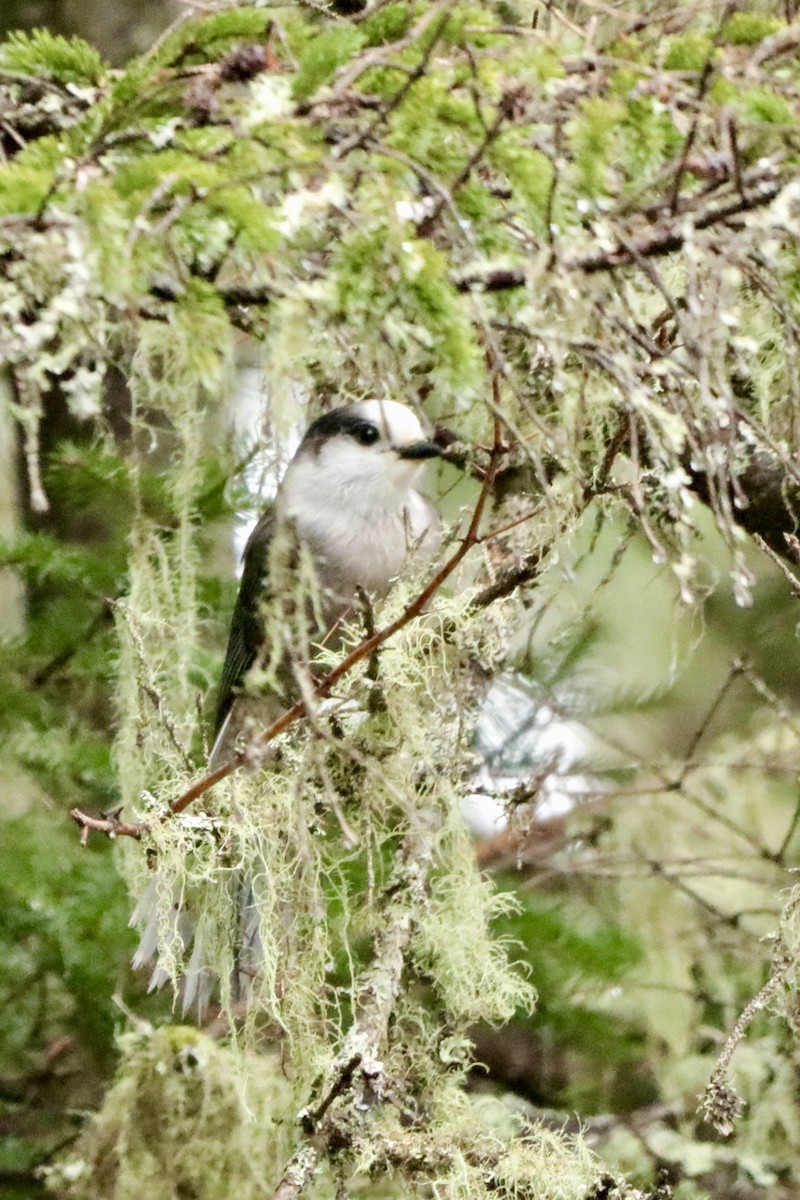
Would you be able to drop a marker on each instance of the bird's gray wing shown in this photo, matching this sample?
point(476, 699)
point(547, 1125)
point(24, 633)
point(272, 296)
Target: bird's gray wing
point(247, 626)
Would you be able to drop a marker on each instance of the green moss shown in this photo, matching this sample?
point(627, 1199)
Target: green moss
point(388, 24)
point(690, 52)
point(208, 37)
point(23, 189)
point(170, 171)
point(749, 28)
point(761, 104)
point(529, 172)
point(252, 220)
point(623, 81)
point(205, 140)
point(722, 91)
point(474, 201)
point(470, 25)
point(323, 55)
point(592, 136)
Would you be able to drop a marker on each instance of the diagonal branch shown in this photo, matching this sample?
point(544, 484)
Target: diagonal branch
point(663, 238)
point(255, 748)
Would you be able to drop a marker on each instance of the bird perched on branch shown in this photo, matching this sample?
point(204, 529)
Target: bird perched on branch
point(348, 508)
point(349, 501)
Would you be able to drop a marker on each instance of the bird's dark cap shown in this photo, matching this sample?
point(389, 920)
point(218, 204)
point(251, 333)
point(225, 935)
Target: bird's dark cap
point(344, 420)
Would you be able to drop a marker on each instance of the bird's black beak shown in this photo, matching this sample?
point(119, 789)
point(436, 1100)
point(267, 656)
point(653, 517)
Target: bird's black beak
point(419, 450)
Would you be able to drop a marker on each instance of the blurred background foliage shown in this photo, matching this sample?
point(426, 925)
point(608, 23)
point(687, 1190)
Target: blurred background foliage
point(645, 730)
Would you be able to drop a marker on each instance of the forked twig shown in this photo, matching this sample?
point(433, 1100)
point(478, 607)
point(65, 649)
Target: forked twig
point(109, 824)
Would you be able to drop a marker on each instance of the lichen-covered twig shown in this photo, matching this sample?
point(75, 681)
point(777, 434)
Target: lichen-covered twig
point(509, 580)
point(719, 1103)
point(356, 1075)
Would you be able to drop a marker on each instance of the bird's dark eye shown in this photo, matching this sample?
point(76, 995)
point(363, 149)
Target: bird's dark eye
point(366, 434)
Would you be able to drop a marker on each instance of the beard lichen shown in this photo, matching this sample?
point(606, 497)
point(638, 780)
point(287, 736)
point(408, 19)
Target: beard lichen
point(186, 1117)
point(328, 900)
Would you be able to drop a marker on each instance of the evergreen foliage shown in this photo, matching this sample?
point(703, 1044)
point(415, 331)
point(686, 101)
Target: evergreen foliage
point(571, 233)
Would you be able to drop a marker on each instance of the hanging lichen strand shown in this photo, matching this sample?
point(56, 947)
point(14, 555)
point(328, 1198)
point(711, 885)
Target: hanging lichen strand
point(576, 248)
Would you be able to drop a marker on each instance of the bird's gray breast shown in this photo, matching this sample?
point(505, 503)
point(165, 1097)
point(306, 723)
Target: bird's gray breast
point(360, 535)
point(352, 550)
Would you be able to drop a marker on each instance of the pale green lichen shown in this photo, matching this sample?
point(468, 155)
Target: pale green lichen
point(186, 1117)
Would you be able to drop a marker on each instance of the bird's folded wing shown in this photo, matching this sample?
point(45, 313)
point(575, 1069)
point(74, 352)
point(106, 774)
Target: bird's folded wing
point(247, 626)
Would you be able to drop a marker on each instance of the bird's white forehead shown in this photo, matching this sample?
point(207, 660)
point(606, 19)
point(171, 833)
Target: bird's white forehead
point(396, 421)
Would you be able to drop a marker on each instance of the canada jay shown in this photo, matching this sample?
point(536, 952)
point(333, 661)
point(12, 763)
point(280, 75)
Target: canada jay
point(348, 498)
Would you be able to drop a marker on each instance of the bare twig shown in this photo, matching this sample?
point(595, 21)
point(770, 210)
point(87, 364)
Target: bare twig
point(794, 582)
point(705, 75)
point(109, 824)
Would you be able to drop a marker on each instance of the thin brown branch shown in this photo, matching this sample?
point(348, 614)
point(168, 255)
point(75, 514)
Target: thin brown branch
point(491, 534)
point(108, 824)
point(255, 748)
point(663, 238)
point(703, 726)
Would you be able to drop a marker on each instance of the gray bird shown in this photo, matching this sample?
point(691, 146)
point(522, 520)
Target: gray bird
point(348, 496)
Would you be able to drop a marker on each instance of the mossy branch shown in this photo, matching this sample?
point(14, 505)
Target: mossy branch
point(255, 748)
point(356, 1078)
point(719, 1104)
